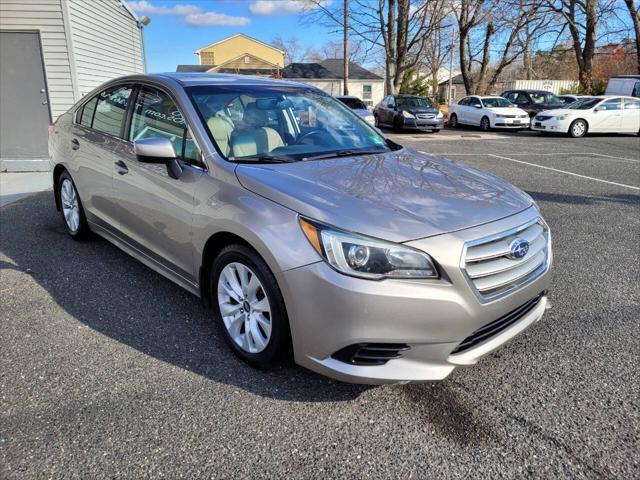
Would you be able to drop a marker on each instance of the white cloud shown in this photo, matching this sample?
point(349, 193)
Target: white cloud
point(143, 6)
point(212, 18)
point(191, 14)
point(283, 7)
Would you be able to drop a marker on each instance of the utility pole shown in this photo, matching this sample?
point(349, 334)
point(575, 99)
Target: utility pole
point(453, 38)
point(345, 53)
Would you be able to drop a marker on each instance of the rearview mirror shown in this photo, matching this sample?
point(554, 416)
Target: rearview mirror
point(158, 150)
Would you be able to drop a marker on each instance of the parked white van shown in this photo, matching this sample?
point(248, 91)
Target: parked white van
point(624, 85)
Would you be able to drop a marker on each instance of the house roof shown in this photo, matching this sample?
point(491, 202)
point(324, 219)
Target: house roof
point(238, 35)
point(356, 72)
point(194, 68)
point(456, 80)
point(307, 70)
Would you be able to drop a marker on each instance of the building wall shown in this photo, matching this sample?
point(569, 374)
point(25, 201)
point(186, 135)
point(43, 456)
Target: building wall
point(240, 63)
point(45, 16)
point(84, 43)
point(234, 47)
point(334, 87)
point(107, 42)
point(554, 86)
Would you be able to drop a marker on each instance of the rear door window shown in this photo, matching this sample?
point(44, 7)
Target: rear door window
point(111, 110)
point(89, 109)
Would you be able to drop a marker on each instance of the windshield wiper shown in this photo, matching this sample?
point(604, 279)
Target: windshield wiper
point(260, 159)
point(342, 153)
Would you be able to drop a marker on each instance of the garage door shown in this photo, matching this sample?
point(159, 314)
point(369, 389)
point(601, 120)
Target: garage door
point(24, 115)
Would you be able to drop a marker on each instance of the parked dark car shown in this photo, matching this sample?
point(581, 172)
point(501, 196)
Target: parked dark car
point(408, 112)
point(533, 101)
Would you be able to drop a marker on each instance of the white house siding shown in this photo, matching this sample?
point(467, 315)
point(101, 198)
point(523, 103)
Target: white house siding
point(334, 87)
point(46, 17)
point(554, 86)
point(106, 42)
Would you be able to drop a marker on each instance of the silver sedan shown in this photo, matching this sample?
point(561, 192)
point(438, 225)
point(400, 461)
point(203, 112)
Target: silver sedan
point(305, 230)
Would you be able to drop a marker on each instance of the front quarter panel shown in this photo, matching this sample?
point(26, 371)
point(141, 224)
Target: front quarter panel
point(222, 205)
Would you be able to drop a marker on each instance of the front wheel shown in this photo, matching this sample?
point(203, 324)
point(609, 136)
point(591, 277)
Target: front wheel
point(248, 307)
point(435, 130)
point(453, 120)
point(485, 124)
point(71, 208)
point(578, 128)
point(396, 125)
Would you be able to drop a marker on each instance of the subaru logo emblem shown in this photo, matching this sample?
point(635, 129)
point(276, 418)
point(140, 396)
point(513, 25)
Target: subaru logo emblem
point(518, 248)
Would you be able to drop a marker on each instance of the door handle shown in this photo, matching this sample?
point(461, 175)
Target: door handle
point(75, 144)
point(122, 167)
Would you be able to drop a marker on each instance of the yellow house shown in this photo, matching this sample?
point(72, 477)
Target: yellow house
point(240, 52)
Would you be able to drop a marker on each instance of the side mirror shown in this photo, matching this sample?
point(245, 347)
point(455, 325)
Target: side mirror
point(477, 106)
point(158, 150)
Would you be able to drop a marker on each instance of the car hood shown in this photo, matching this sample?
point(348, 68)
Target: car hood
point(417, 110)
point(398, 196)
point(362, 112)
point(506, 110)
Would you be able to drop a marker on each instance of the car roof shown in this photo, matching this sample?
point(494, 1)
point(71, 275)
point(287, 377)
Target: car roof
point(189, 79)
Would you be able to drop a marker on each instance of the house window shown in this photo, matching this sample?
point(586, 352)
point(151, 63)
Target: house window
point(366, 95)
point(247, 59)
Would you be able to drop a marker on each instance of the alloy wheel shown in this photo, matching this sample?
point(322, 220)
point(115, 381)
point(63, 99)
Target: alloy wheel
point(70, 205)
point(484, 124)
point(244, 307)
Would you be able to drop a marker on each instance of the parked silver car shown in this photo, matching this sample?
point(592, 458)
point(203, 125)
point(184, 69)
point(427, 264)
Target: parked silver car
point(302, 227)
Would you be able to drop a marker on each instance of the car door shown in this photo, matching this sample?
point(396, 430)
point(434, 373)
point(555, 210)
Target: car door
point(95, 139)
point(607, 117)
point(155, 209)
point(461, 109)
point(475, 111)
point(631, 115)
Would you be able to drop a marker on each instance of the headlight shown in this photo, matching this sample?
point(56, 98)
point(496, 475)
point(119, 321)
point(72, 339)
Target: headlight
point(406, 114)
point(498, 115)
point(561, 117)
point(365, 257)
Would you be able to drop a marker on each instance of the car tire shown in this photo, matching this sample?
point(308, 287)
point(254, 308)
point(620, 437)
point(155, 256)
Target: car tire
point(435, 130)
point(396, 125)
point(485, 124)
point(260, 337)
point(578, 128)
point(73, 216)
point(376, 122)
point(453, 120)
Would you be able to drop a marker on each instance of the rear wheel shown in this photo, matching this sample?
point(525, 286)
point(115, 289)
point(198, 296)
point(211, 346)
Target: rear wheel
point(453, 120)
point(71, 208)
point(578, 128)
point(248, 307)
point(485, 124)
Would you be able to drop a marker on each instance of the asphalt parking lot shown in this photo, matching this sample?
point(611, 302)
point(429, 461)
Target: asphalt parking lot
point(109, 370)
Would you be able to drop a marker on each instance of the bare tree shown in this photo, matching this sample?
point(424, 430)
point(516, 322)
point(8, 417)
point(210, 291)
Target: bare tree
point(635, 19)
point(400, 28)
point(291, 48)
point(334, 49)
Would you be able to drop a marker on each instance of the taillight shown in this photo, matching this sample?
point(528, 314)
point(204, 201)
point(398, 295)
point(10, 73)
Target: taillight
point(51, 128)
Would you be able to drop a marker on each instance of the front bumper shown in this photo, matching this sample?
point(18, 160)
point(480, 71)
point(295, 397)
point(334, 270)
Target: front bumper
point(511, 123)
point(558, 126)
point(423, 124)
point(329, 311)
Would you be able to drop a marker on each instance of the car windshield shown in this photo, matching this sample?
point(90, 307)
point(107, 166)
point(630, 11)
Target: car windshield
point(273, 123)
point(584, 103)
point(497, 103)
point(353, 103)
point(540, 97)
point(413, 102)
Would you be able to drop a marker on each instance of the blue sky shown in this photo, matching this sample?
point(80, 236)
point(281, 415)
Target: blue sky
point(178, 28)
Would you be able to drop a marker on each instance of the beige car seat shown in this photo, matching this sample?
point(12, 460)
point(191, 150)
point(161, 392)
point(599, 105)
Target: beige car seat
point(253, 137)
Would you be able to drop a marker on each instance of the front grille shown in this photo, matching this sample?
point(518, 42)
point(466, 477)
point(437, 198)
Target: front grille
point(543, 118)
point(493, 270)
point(497, 326)
point(425, 116)
point(370, 353)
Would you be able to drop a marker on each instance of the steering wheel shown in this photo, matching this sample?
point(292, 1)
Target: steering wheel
point(307, 135)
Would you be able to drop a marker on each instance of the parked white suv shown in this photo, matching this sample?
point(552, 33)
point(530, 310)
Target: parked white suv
point(488, 113)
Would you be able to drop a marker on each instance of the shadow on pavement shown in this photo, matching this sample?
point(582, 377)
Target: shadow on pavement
point(114, 294)
point(625, 198)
